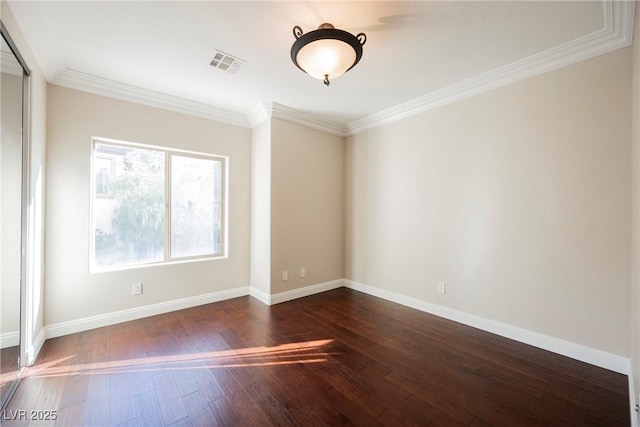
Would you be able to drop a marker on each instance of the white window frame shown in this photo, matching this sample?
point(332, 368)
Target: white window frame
point(168, 259)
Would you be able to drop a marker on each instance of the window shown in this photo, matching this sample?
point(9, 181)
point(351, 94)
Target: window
point(154, 205)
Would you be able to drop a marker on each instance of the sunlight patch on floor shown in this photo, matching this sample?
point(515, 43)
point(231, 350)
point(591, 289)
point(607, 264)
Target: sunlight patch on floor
point(283, 354)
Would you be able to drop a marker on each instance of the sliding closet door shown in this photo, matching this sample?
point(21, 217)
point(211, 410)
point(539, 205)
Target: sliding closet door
point(12, 199)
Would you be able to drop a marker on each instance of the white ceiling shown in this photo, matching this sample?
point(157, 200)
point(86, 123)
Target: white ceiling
point(414, 49)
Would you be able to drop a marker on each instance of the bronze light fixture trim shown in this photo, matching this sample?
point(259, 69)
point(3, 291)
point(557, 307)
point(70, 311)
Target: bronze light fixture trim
point(326, 53)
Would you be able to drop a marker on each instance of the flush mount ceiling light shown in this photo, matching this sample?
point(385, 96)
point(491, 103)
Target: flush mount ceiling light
point(326, 53)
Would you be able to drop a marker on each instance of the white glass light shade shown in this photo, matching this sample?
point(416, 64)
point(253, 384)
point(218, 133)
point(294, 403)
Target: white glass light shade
point(327, 57)
point(326, 53)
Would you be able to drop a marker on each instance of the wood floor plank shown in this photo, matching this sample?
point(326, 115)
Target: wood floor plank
point(322, 413)
point(199, 410)
point(339, 358)
point(277, 414)
point(238, 408)
point(75, 390)
point(70, 416)
point(148, 409)
point(169, 399)
point(224, 411)
point(97, 408)
point(122, 405)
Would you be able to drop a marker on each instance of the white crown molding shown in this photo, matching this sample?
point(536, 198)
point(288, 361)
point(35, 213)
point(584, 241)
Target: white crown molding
point(259, 114)
point(313, 121)
point(100, 86)
point(616, 33)
point(266, 110)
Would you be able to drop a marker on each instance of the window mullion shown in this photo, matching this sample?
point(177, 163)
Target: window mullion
point(224, 213)
point(167, 207)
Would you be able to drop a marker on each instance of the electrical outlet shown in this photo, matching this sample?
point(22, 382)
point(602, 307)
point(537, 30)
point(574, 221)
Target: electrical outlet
point(285, 276)
point(303, 272)
point(136, 289)
point(442, 287)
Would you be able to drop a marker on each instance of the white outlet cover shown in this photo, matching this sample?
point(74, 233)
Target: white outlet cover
point(136, 289)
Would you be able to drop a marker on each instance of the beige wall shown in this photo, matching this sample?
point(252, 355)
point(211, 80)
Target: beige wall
point(635, 213)
point(517, 198)
point(74, 118)
point(307, 206)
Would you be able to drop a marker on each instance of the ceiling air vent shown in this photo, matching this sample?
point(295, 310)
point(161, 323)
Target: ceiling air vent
point(227, 62)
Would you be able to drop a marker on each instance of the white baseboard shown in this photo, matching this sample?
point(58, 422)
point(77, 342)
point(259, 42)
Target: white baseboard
point(87, 323)
point(575, 351)
point(13, 338)
point(9, 339)
point(34, 349)
point(586, 354)
point(306, 291)
point(260, 296)
point(634, 416)
point(295, 293)
point(79, 325)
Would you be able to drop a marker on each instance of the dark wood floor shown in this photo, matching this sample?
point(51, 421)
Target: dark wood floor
point(337, 358)
point(8, 368)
